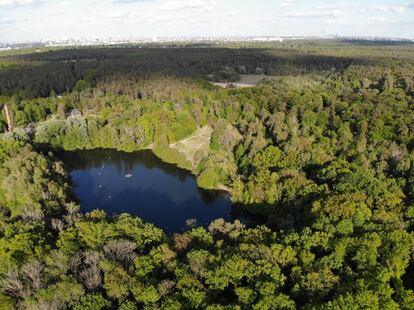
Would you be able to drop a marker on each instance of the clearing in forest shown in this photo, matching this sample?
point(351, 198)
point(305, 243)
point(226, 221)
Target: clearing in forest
point(246, 80)
point(195, 146)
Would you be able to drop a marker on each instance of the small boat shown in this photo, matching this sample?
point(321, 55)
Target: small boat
point(128, 175)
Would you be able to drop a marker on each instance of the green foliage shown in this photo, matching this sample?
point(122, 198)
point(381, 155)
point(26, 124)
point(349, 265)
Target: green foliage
point(92, 302)
point(211, 178)
point(81, 85)
point(37, 181)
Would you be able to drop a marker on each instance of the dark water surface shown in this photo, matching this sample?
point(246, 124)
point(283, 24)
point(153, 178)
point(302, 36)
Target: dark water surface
point(141, 184)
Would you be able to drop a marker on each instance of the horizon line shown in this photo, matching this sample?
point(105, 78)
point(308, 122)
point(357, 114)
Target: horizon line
point(248, 38)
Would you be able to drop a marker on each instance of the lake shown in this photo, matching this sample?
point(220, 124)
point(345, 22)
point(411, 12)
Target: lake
point(141, 184)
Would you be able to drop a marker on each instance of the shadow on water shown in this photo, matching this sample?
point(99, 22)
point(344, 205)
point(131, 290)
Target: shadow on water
point(141, 184)
point(95, 159)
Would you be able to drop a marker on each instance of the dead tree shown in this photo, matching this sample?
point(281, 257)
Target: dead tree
point(9, 118)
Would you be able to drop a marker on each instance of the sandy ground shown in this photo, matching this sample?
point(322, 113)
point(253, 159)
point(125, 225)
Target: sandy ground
point(246, 80)
point(198, 141)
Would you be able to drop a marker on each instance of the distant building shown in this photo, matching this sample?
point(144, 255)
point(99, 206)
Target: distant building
point(268, 39)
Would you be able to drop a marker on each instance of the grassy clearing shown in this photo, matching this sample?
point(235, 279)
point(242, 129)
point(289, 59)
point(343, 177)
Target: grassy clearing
point(196, 146)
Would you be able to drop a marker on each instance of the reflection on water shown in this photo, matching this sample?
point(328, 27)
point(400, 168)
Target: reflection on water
point(140, 184)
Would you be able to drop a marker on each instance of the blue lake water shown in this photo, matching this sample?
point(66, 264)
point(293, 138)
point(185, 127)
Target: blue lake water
point(140, 184)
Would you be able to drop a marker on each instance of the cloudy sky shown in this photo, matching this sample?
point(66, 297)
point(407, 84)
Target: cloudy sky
point(22, 20)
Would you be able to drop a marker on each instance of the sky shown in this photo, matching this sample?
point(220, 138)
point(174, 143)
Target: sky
point(33, 20)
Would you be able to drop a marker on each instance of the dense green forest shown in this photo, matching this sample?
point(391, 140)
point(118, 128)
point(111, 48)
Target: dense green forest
point(323, 148)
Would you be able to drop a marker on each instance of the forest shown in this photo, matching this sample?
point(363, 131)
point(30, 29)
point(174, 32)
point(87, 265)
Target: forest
point(323, 149)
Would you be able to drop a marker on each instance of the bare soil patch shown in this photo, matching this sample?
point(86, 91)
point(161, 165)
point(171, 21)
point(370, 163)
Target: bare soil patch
point(195, 146)
point(246, 80)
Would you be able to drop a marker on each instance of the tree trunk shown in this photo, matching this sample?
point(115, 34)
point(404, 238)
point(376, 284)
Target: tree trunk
point(9, 118)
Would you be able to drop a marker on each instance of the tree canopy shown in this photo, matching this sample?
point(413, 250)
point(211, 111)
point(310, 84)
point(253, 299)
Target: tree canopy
point(323, 149)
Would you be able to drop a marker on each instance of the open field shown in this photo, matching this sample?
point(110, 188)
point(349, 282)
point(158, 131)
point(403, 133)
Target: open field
point(197, 143)
point(246, 80)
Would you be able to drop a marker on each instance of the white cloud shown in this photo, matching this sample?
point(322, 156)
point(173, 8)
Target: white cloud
point(118, 14)
point(6, 21)
point(287, 2)
point(233, 13)
point(175, 5)
point(67, 24)
point(145, 18)
point(388, 8)
point(90, 19)
point(315, 14)
point(379, 19)
point(128, 1)
point(336, 6)
point(16, 2)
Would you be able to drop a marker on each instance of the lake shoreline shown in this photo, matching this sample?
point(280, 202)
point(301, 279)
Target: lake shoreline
point(142, 184)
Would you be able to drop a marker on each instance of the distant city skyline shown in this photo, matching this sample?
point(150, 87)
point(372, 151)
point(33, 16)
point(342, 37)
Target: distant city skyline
point(34, 20)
